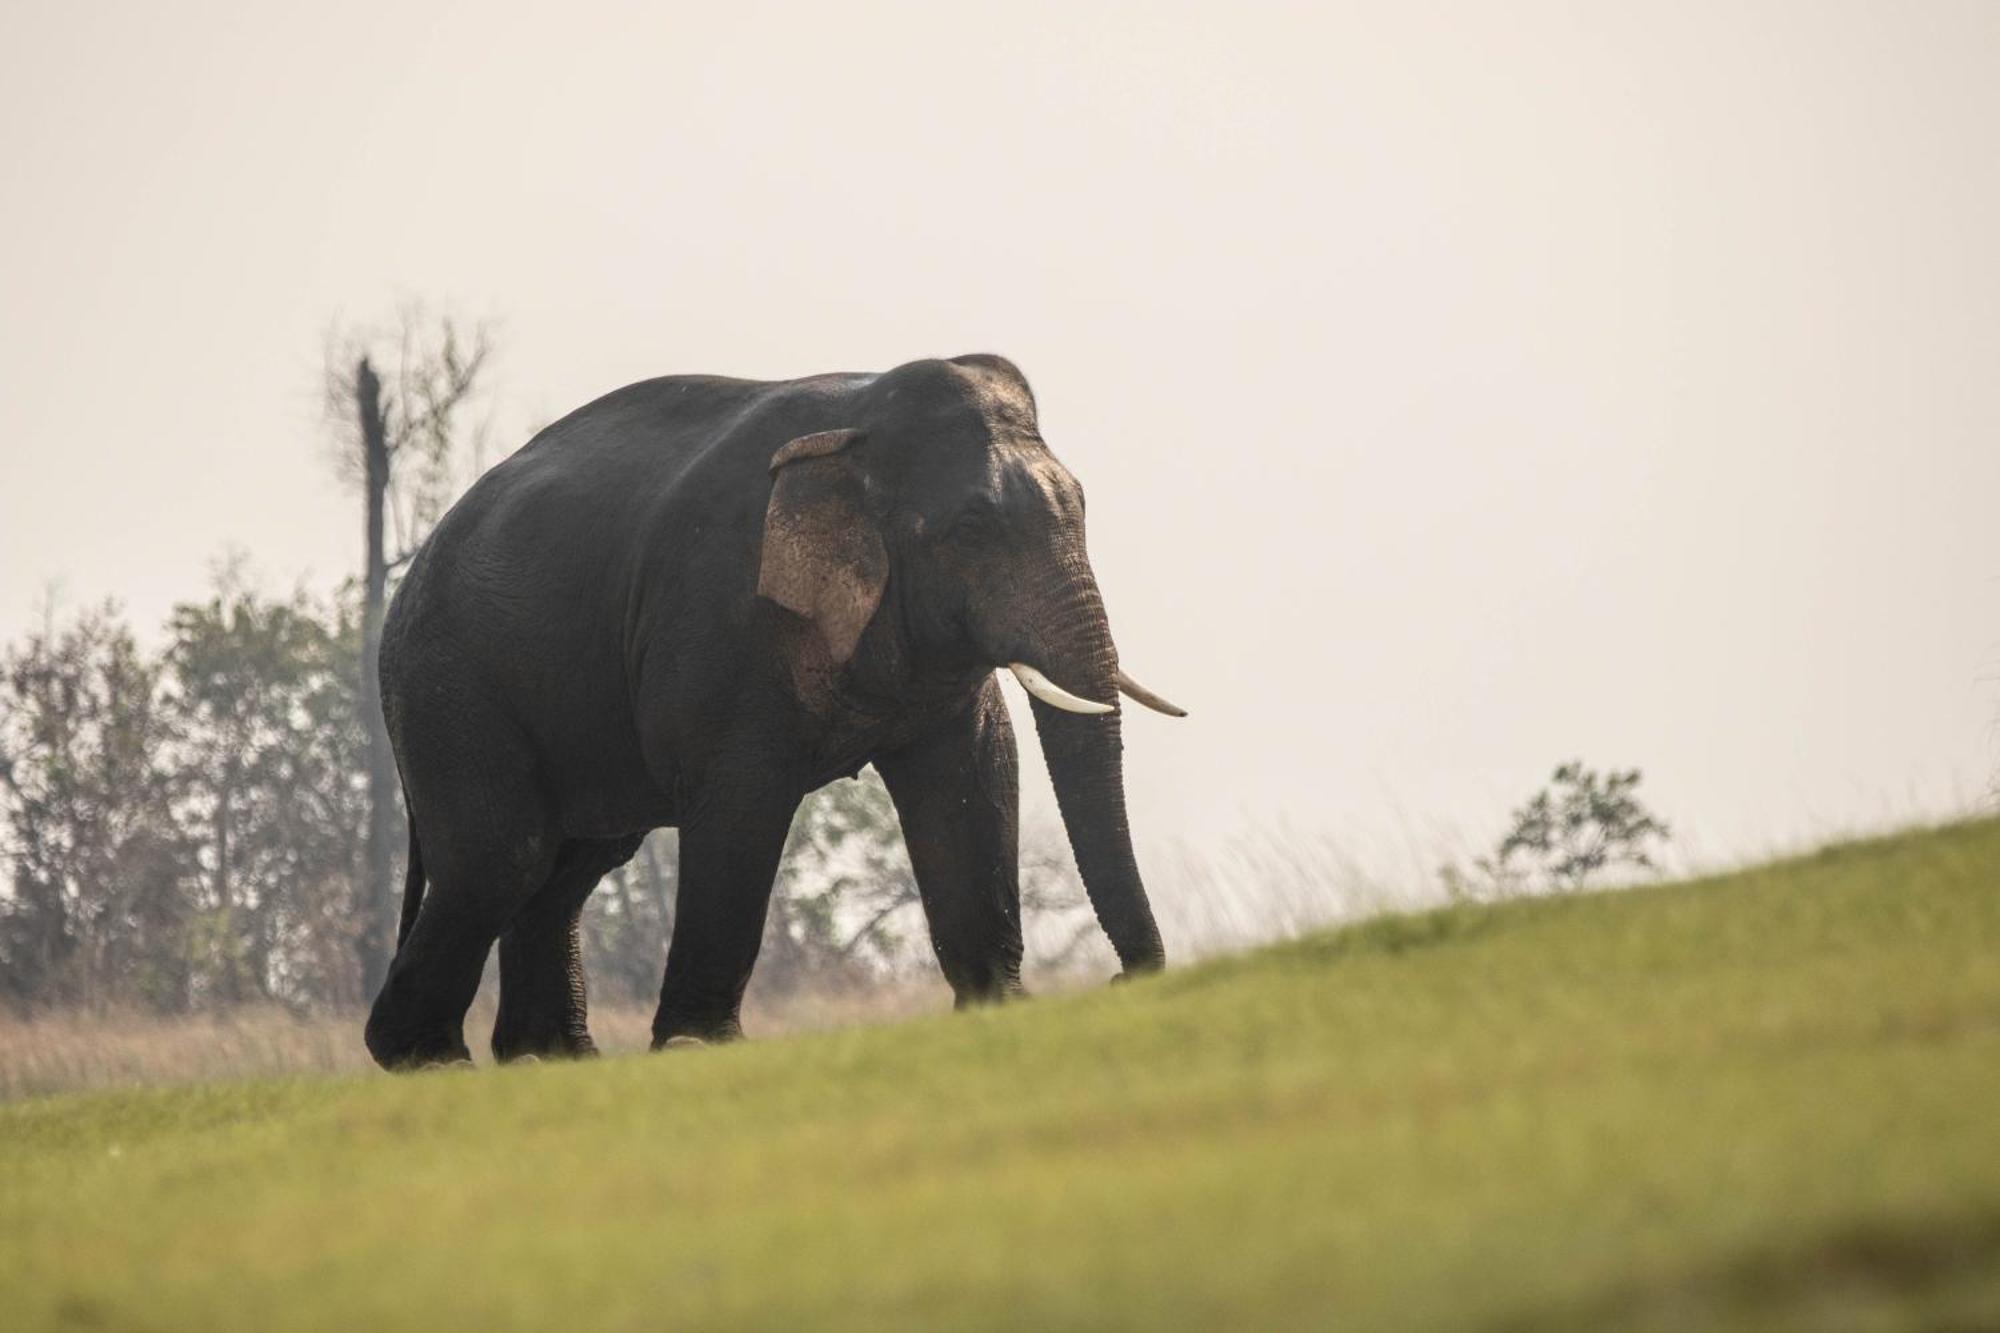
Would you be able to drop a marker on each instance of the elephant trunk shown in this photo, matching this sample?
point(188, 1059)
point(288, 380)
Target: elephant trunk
point(1084, 750)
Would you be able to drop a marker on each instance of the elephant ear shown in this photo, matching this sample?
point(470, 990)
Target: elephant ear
point(823, 558)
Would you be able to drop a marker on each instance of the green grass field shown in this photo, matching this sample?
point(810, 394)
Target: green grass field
point(1765, 1100)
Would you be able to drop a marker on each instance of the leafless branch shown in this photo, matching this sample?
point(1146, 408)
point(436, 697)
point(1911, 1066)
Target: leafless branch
point(867, 931)
point(437, 368)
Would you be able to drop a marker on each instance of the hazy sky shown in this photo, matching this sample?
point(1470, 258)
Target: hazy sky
point(1458, 390)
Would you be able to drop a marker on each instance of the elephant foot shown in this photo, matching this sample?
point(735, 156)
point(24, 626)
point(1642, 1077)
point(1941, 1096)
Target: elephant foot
point(536, 1052)
point(681, 1029)
point(1007, 991)
point(512, 1046)
point(400, 1052)
point(680, 1043)
point(461, 1062)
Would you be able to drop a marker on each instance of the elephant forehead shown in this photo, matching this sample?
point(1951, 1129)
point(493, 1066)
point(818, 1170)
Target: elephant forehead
point(1029, 474)
point(962, 399)
point(1004, 405)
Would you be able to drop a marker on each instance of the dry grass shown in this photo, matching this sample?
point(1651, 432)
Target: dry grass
point(82, 1052)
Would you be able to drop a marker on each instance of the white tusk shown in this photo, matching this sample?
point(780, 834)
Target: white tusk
point(1052, 694)
point(1141, 694)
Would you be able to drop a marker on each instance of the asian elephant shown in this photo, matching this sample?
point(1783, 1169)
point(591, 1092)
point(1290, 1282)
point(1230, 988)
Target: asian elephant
point(689, 604)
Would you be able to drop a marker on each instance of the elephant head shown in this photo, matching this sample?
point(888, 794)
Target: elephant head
point(937, 535)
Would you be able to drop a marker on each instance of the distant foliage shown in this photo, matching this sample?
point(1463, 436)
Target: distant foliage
point(99, 857)
point(1582, 823)
point(628, 922)
point(182, 825)
point(846, 875)
point(267, 756)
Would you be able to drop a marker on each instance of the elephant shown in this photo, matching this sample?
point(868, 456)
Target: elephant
point(689, 604)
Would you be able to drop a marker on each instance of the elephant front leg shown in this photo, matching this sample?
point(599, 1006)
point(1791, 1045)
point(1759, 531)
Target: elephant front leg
point(543, 1002)
point(957, 792)
point(731, 840)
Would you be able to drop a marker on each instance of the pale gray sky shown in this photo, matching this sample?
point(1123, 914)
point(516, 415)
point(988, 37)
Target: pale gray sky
point(1458, 389)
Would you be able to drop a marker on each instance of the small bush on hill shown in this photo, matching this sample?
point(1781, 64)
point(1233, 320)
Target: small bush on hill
point(1581, 823)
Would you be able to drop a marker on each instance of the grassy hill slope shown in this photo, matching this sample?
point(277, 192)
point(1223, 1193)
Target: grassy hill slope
point(1770, 1099)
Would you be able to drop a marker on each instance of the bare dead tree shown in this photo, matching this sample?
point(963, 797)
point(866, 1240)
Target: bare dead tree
point(401, 438)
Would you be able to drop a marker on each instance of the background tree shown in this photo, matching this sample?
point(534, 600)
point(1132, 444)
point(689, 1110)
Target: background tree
point(628, 921)
point(1583, 822)
point(269, 757)
point(97, 907)
point(844, 877)
point(400, 438)
point(184, 829)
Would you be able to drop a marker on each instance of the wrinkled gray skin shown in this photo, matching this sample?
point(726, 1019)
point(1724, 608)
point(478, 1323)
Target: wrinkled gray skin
point(694, 601)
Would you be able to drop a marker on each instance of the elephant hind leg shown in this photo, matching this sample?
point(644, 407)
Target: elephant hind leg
point(543, 1005)
point(419, 1018)
point(488, 847)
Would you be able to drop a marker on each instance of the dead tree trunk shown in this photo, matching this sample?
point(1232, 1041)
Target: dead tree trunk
point(225, 889)
point(376, 942)
point(663, 891)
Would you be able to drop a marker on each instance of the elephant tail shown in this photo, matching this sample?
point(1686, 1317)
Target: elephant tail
point(413, 881)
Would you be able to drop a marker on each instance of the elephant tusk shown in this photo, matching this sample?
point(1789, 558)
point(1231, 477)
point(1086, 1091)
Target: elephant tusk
point(1052, 694)
point(1140, 694)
